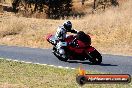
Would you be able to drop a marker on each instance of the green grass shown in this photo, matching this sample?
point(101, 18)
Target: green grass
point(22, 75)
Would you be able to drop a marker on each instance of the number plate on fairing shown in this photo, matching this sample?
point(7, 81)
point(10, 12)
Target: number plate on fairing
point(62, 43)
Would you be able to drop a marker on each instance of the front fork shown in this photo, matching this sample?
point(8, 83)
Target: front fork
point(89, 51)
point(89, 55)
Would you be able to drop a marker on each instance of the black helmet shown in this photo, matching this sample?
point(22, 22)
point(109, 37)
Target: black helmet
point(67, 25)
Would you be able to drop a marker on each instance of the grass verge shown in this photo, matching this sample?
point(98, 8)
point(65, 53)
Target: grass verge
point(22, 75)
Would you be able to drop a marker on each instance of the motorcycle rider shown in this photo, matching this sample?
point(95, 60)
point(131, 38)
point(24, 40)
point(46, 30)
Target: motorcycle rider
point(61, 34)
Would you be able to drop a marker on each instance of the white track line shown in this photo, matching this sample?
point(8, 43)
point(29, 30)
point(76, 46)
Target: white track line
point(39, 64)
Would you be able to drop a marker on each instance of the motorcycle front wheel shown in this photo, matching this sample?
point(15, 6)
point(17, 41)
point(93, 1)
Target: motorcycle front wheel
point(95, 58)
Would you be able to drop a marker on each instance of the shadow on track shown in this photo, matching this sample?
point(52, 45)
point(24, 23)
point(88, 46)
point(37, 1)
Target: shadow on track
point(102, 64)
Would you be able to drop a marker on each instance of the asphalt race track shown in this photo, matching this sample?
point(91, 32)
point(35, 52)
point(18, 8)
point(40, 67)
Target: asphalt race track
point(111, 63)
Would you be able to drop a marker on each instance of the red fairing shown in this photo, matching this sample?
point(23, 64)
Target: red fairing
point(90, 49)
point(82, 44)
point(77, 50)
point(81, 47)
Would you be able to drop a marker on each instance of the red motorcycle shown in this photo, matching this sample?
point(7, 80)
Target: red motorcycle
point(76, 51)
